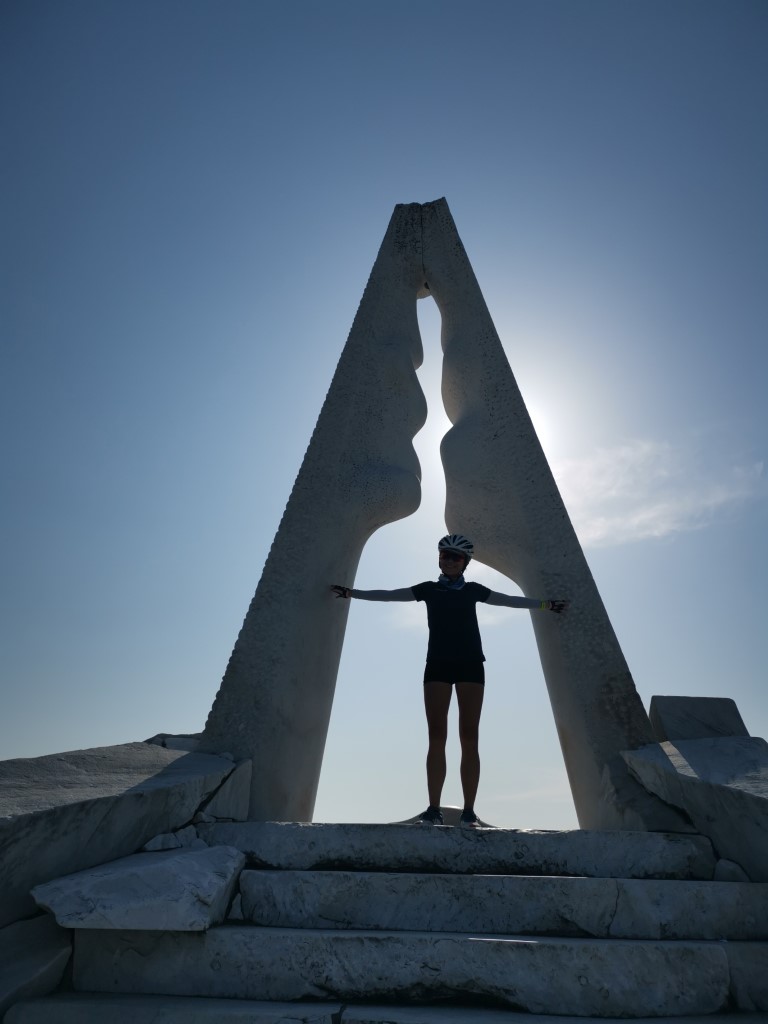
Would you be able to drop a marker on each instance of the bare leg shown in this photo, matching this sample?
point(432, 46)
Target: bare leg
point(470, 698)
point(437, 700)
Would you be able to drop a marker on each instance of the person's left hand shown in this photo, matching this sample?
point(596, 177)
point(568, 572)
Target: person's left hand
point(345, 592)
point(559, 606)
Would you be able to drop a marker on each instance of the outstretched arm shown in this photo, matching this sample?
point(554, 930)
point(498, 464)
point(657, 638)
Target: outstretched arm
point(507, 601)
point(403, 594)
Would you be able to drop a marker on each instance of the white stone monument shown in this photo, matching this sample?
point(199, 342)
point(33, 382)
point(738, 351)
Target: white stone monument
point(360, 472)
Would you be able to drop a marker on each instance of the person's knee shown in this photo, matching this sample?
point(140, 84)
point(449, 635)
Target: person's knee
point(469, 737)
point(438, 736)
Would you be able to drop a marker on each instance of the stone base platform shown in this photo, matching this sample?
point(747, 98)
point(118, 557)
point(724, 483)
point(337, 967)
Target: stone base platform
point(575, 977)
point(72, 1008)
point(604, 908)
point(303, 847)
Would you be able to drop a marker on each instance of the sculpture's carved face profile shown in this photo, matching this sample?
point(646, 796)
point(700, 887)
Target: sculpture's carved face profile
point(451, 562)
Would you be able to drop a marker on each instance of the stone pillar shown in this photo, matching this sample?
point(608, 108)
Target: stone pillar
point(501, 493)
point(359, 473)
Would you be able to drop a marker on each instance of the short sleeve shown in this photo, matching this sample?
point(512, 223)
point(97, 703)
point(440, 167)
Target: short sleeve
point(483, 593)
point(419, 591)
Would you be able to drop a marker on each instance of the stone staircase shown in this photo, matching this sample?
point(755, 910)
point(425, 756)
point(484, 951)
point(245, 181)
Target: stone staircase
point(442, 925)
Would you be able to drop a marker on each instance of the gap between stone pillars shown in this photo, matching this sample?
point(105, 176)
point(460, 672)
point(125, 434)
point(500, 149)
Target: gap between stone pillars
point(501, 492)
point(360, 472)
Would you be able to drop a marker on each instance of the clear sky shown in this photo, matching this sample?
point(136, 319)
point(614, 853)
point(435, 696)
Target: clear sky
point(193, 195)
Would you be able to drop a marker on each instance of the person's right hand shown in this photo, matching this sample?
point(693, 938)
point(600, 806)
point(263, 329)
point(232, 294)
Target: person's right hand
point(345, 592)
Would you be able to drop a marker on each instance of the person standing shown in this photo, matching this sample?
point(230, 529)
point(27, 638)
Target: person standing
point(454, 658)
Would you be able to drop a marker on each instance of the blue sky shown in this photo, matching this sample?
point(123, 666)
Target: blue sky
point(193, 197)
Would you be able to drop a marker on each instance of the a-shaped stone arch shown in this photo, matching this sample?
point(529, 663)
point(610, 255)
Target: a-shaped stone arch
point(361, 472)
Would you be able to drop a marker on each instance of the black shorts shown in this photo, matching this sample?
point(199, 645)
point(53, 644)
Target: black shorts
point(454, 672)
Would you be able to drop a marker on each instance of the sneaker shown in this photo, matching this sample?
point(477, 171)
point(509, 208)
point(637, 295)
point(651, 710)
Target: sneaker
point(469, 819)
point(432, 816)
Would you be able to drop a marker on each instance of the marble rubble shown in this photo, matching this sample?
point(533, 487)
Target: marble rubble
point(721, 784)
point(65, 812)
point(72, 811)
point(695, 718)
point(33, 956)
point(183, 890)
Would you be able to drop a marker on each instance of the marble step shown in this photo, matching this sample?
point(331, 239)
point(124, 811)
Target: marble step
point(569, 977)
point(507, 904)
point(88, 1008)
point(301, 847)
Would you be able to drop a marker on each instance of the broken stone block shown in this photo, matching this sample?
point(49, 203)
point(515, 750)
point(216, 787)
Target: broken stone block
point(182, 838)
point(33, 955)
point(728, 871)
point(166, 841)
point(187, 836)
point(201, 818)
point(69, 811)
point(695, 718)
point(182, 741)
point(721, 784)
point(230, 801)
point(186, 890)
point(748, 962)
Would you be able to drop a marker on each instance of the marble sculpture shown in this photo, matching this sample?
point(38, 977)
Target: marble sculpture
point(361, 472)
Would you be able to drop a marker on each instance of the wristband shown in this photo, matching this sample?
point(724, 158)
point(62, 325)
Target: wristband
point(546, 605)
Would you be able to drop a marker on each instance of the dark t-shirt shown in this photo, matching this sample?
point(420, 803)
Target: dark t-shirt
point(452, 618)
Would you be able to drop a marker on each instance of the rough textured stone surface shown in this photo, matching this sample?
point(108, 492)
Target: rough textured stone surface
point(68, 811)
point(467, 1015)
point(506, 904)
point(481, 851)
point(722, 785)
point(728, 871)
point(187, 890)
point(33, 955)
point(694, 718)
point(360, 472)
point(565, 976)
point(233, 796)
point(749, 974)
point(183, 838)
point(73, 1008)
point(76, 1009)
point(167, 841)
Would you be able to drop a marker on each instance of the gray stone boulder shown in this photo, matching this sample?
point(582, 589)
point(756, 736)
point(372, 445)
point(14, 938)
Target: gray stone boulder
point(33, 955)
point(182, 838)
point(65, 812)
point(722, 786)
point(695, 718)
point(183, 890)
point(230, 801)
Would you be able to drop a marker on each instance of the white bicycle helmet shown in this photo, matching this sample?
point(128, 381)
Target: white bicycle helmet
point(457, 542)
